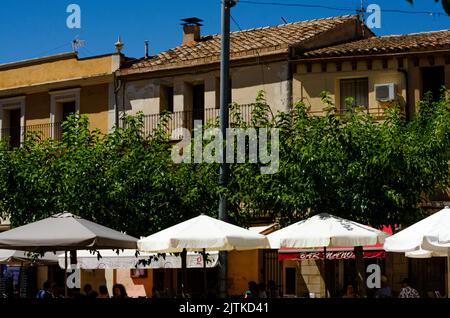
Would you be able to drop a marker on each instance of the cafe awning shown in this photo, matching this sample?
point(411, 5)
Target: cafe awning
point(127, 259)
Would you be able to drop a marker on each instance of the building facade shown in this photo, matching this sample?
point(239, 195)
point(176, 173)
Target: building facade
point(376, 72)
point(185, 79)
point(38, 94)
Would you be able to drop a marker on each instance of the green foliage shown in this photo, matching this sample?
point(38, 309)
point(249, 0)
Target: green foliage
point(375, 172)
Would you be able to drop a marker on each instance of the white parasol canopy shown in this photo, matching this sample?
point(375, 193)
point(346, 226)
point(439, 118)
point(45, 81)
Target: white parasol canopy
point(325, 230)
point(426, 238)
point(202, 232)
point(430, 231)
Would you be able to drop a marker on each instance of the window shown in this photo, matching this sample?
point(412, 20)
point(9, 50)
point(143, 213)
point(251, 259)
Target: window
point(357, 89)
point(62, 104)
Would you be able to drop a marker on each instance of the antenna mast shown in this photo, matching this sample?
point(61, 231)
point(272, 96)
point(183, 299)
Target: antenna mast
point(362, 15)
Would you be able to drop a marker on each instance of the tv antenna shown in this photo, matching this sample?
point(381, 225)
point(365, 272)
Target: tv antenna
point(77, 43)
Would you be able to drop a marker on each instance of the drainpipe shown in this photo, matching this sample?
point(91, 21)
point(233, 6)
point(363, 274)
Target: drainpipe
point(290, 80)
point(405, 74)
point(117, 86)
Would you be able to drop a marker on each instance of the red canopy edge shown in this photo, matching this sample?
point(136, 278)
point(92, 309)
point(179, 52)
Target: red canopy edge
point(332, 255)
point(338, 252)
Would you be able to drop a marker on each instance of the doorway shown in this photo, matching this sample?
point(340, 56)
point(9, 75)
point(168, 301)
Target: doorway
point(11, 128)
point(67, 109)
point(198, 102)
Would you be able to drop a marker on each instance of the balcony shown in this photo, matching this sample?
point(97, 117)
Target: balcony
point(180, 119)
point(186, 119)
point(15, 135)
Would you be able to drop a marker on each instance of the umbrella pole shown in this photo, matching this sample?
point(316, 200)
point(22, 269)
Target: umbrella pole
point(184, 272)
point(325, 271)
point(448, 273)
point(205, 283)
point(65, 274)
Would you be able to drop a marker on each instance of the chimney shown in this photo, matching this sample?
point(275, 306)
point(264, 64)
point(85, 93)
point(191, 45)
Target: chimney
point(191, 30)
point(146, 50)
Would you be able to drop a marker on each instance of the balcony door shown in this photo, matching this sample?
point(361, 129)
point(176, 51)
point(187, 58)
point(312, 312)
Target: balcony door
point(198, 102)
point(63, 103)
point(12, 120)
point(67, 109)
point(14, 127)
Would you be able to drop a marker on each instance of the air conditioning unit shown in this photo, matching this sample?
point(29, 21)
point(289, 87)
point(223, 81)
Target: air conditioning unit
point(385, 92)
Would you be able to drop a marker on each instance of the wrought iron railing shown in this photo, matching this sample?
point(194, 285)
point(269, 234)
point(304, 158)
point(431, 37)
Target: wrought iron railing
point(180, 119)
point(377, 112)
point(187, 119)
point(16, 134)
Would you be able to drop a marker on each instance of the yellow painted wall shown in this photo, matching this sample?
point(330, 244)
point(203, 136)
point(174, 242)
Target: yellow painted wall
point(51, 71)
point(308, 86)
point(243, 267)
point(37, 109)
point(94, 102)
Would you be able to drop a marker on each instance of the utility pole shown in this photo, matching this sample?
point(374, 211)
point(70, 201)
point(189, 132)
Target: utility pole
point(224, 102)
point(362, 14)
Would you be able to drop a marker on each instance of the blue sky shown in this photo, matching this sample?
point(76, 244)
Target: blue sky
point(33, 28)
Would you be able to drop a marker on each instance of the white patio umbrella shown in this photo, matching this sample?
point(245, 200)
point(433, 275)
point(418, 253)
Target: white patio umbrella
point(426, 238)
point(325, 230)
point(202, 233)
point(67, 232)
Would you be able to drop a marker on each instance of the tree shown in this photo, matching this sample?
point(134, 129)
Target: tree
point(350, 165)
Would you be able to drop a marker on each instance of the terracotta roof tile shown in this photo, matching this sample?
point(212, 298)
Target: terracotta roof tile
point(242, 43)
point(387, 44)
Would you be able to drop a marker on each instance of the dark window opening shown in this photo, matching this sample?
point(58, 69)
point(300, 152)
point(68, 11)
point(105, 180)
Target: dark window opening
point(14, 127)
point(433, 79)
